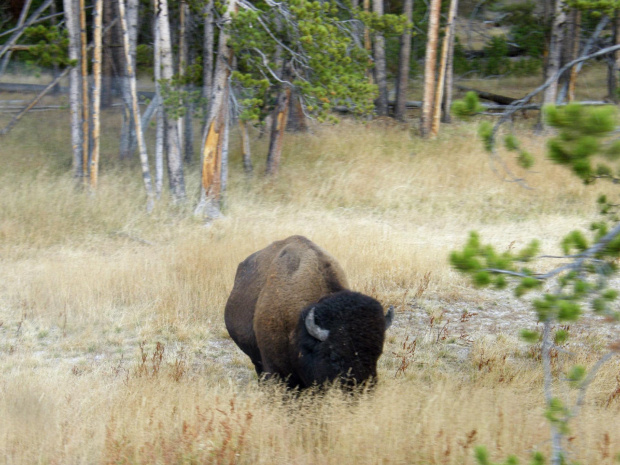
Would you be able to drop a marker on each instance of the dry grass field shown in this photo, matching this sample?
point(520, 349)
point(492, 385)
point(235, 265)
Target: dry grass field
point(113, 348)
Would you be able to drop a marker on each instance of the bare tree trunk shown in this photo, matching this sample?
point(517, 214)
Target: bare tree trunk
point(449, 80)
point(144, 161)
point(85, 91)
point(160, 124)
point(555, 50)
point(207, 57)
point(213, 139)
point(296, 118)
point(572, 78)
point(107, 57)
point(429, 68)
point(612, 63)
point(442, 67)
point(128, 131)
point(94, 162)
point(246, 148)
point(181, 70)
point(381, 103)
point(188, 127)
point(75, 102)
point(20, 23)
point(278, 125)
point(133, 15)
point(404, 64)
point(367, 42)
point(175, 162)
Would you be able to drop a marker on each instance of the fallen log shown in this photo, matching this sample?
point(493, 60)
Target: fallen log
point(500, 99)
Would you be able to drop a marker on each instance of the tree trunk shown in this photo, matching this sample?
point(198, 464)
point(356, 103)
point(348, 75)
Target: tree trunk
point(296, 118)
point(75, 102)
point(175, 162)
point(572, 80)
point(246, 148)
point(278, 125)
point(144, 161)
point(160, 124)
point(181, 69)
point(404, 58)
point(445, 51)
point(381, 103)
point(20, 23)
point(85, 91)
point(107, 64)
point(207, 57)
point(94, 161)
point(612, 63)
point(213, 139)
point(429, 68)
point(449, 80)
point(367, 41)
point(188, 127)
point(555, 51)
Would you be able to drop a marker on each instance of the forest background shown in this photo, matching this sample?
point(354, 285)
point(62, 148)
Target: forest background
point(113, 279)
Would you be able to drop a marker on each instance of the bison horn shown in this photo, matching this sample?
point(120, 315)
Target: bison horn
point(315, 330)
point(389, 317)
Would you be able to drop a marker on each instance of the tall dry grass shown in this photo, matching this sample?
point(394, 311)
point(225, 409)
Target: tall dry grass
point(90, 284)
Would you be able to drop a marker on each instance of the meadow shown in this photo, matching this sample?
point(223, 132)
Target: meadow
point(113, 348)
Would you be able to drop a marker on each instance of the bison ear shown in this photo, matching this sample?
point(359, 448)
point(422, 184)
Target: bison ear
point(315, 330)
point(389, 317)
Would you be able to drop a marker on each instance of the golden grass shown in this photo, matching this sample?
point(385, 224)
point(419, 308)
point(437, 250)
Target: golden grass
point(85, 279)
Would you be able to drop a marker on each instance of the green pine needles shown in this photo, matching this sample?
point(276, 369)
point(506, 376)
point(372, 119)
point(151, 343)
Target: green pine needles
point(580, 283)
point(309, 46)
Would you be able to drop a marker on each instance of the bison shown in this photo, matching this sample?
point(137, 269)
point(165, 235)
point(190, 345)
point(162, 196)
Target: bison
point(291, 311)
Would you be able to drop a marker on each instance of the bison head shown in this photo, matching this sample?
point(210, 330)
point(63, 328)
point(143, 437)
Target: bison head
point(340, 338)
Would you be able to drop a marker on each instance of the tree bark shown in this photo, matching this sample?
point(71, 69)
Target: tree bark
point(612, 63)
point(181, 69)
point(160, 122)
point(175, 161)
point(445, 51)
point(144, 161)
point(207, 57)
point(278, 125)
point(85, 92)
point(429, 68)
point(213, 139)
point(296, 118)
point(75, 102)
point(381, 103)
point(449, 80)
point(107, 64)
point(97, 30)
point(572, 80)
point(404, 57)
point(246, 148)
point(555, 51)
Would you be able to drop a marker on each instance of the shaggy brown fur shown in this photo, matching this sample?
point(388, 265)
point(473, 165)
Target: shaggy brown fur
point(273, 287)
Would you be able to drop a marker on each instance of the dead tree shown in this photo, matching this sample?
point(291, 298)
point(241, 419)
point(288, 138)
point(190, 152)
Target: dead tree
point(175, 161)
point(381, 103)
point(144, 161)
point(404, 57)
point(429, 68)
point(217, 122)
point(445, 51)
point(97, 32)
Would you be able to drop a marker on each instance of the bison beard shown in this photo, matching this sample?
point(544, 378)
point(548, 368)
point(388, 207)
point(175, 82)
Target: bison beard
point(292, 313)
